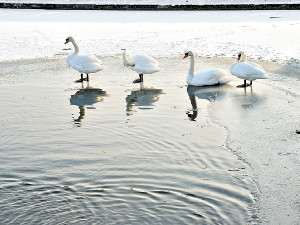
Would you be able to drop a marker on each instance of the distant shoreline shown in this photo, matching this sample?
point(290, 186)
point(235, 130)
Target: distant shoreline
point(150, 7)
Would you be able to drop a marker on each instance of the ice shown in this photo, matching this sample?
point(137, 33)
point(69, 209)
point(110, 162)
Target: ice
point(41, 33)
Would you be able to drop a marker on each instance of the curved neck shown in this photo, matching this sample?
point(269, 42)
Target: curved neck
point(125, 59)
point(192, 65)
point(243, 58)
point(76, 52)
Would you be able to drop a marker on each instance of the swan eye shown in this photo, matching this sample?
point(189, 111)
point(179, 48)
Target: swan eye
point(239, 55)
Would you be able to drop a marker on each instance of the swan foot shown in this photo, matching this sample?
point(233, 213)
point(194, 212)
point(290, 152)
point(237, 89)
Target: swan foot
point(244, 85)
point(82, 79)
point(79, 81)
point(137, 81)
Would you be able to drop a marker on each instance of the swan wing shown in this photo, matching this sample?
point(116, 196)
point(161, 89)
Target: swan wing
point(85, 63)
point(86, 59)
point(144, 64)
point(145, 68)
point(210, 77)
point(144, 60)
point(248, 71)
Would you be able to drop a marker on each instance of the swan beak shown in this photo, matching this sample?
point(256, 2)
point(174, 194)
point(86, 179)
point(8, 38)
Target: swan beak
point(239, 56)
point(186, 55)
point(67, 41)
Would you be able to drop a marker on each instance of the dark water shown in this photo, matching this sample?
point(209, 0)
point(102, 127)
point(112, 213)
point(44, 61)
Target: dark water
point(113, 152)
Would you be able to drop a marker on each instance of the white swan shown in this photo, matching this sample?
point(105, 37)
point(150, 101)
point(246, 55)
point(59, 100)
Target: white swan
point(83, 63)
point(214, 76)
point(247, 70)
point(142, 64)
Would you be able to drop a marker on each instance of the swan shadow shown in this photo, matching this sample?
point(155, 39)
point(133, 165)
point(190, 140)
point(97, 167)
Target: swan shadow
point(209, 93)
point(250, 99)
point(143, 98)
point(84, 97)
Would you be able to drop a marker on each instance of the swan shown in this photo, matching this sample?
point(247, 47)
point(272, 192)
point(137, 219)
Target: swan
point(83, 63)
point(247, 70)
point(142, 64)
point(214, 76)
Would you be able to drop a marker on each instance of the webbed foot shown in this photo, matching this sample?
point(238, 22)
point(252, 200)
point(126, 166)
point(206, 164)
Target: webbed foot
point(137, 81)
point(79, 81)
point(243, 85)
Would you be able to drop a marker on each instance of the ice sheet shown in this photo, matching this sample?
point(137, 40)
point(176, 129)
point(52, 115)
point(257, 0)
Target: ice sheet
point(266, 35)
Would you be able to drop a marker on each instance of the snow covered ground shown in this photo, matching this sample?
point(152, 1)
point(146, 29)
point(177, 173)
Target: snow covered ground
point(156, 2)
point(265, 35)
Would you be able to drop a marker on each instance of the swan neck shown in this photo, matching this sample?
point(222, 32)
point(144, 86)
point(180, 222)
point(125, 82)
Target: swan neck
point(125, 59)
point(76, 52)
point(192, 65)
point(243, 58)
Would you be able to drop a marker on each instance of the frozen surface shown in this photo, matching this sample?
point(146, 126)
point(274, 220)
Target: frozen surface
point(261, 121)
point(266, 35)
point(156, 2)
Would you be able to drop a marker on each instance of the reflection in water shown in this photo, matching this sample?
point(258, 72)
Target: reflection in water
point(143, 98)
point(250, 99)
point(210, 93)
point(86, 96)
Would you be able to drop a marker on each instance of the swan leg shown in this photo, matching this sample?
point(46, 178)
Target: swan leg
point(87, 77)
point(141, 77)
point(139, 80)
point(80, 80)
point(250, 83)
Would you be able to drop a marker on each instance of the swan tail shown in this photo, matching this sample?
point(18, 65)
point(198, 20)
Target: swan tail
point(93, 69)
point(224, 80)
point(267, 77)
point(264, 76)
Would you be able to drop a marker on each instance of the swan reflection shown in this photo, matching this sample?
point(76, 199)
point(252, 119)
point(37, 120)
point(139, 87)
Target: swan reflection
point(250, 99)
point(143, 98)
point(86, 97)
point(210, 93)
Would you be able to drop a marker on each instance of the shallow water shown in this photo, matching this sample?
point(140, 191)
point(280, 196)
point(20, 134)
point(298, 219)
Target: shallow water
point(114, 152)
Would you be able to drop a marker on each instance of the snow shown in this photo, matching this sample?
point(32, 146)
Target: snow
point(156, 2)
point(267, 35)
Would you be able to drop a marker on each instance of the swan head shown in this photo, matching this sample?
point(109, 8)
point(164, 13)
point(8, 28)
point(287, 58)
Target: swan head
point(69, 39)
point(188, 53)
point(242, 57)
point(125, 58)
